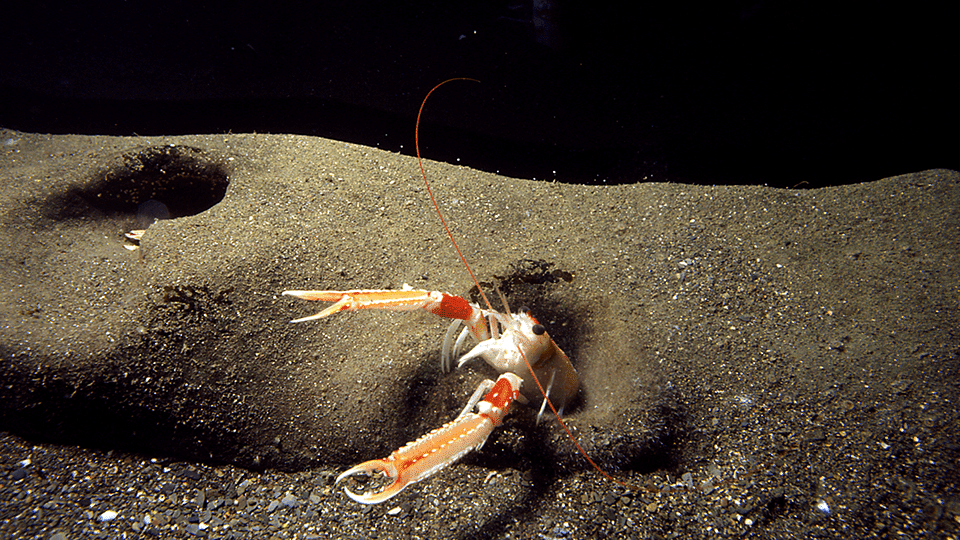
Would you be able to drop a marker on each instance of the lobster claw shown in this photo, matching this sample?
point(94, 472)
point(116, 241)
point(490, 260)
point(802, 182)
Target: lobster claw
point(384, 467)
point(424, 457)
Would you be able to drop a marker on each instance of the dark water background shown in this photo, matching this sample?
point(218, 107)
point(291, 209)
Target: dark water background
point(789, 95)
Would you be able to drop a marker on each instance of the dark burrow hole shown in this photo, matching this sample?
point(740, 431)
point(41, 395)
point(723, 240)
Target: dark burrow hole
point(160, 182)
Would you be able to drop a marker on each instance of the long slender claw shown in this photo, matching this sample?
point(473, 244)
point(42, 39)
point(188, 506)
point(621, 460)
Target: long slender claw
point(405, 299)
point(324, 296)
point(367, 467)
point(342, 302)
point(402, 300)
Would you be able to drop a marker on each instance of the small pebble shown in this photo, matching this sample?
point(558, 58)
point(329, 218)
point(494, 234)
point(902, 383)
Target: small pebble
point(109, 515)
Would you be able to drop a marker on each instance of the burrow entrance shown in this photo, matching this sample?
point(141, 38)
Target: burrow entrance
point(159, 182)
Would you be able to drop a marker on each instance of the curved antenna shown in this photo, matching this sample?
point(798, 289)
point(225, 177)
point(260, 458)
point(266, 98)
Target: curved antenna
point(416, 138)
point(416, 143)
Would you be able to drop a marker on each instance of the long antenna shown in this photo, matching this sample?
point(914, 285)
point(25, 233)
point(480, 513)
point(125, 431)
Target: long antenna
point(416, 139)
point(436, 206)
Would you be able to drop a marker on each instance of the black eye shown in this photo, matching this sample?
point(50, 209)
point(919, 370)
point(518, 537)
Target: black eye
point(539, 330)
point(524, 309)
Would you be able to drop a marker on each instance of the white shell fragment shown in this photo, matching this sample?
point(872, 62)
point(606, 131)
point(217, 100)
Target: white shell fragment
point(132, 241)
point(109, 515)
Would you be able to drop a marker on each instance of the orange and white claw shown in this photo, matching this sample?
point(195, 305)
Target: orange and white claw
point(428, 455)
point(407, 299)
point(367, 467)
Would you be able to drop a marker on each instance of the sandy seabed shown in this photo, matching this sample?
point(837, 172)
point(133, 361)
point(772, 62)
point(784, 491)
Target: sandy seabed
point(753, 361)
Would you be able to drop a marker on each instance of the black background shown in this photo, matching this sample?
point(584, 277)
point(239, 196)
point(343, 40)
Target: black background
point(789, 94)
